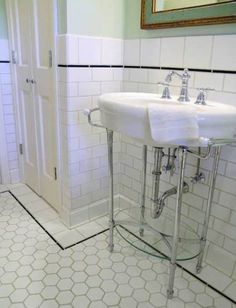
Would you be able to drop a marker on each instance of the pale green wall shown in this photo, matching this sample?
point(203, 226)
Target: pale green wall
point(96, 17)
point(62, 16)
point(132, 26)
point(3, 20)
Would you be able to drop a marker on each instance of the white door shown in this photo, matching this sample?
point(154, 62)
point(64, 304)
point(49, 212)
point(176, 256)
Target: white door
point(44, 93)
point(34, 34)
point(22, 26)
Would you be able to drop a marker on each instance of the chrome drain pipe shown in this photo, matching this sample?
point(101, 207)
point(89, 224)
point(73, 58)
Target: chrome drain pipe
point(158, 155)
point(167, 194)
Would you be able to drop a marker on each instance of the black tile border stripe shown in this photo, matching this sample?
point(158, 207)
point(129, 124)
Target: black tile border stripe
point(54, 240)
point(90, 66)
point(186, 270)
point(141, 67)
point(149, 67)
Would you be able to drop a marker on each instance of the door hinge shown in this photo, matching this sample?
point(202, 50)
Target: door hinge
point(21, 148)
point(50, 58)
point(55, 173)
point(13, 57)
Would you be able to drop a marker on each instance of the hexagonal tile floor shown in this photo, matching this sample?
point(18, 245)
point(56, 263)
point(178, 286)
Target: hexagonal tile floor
point(35, 272)
point(49, 219)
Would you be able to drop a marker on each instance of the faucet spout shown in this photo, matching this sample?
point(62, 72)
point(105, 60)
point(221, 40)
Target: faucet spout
point(183, 97)
point(184, 89)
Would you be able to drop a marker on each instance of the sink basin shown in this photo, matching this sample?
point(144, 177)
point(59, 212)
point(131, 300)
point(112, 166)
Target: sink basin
point(127, 113)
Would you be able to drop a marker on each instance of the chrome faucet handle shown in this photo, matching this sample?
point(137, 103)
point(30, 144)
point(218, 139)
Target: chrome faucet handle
point(186, 74)
point(166, 90)
point(201, 98)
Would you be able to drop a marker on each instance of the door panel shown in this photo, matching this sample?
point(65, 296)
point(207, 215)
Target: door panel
point(28, 124)
point(47, 146)
point(23, 25)
point(43, 23)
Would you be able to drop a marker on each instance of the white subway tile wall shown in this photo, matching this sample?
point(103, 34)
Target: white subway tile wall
point(6, 99)
point(84, 147)
point(206, 52)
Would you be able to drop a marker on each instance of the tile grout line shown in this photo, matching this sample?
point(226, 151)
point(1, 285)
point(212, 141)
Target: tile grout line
point(45, 230)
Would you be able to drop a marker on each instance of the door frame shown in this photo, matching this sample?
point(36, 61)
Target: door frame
point(12, 46)
point(4, 167)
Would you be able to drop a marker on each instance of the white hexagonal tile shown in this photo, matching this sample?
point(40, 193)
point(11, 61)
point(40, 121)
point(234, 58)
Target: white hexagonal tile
point(64, 297)
point(33, 301)
point(92, 270)
point(95, 294)
point(111, 299)
point(6, 290)
point(109, 285)
point(18, 295)
point(187, 295)
point(181, 283)
point(121, 278)
point(37, 275)
point(91, 260)
point(128, 302)
point(49, 304)
point(222, 302)
point(196, 286)
point(50, 292)
point(8, 278)
point(137, 282)
point(65, 284)
point(21, 282)
point(148, 275)
point(94, 281)
point(124, 290)
point(133, 271)
point(35, 287)
point(80, 289)
point(80, 301)
point(52, 268)
point(119, 267)
point(106, 274)
point(105, 263)
point(204, 300)
point(79, 266)
point(98, 304)
point(158, 300)
point(141, 295)
point(11, 266)
point(79, 277)
point(51, 280)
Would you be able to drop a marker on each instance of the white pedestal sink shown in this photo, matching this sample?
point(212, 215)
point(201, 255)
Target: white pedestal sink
point(127, 113)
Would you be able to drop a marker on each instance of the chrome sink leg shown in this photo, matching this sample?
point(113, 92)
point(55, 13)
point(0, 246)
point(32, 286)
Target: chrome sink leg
point(144, 174)
point(182, 159)
point(111, 189)
point(208, 210)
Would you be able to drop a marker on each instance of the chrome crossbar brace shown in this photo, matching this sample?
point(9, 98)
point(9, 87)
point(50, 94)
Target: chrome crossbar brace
point(88, 113)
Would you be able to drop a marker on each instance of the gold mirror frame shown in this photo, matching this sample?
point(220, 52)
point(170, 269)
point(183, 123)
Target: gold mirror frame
point(220, 13)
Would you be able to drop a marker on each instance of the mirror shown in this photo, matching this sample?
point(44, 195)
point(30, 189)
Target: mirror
point(174, 13)
point(166, 5)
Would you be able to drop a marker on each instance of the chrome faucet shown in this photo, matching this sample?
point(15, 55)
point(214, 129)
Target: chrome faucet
point(183, 97)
